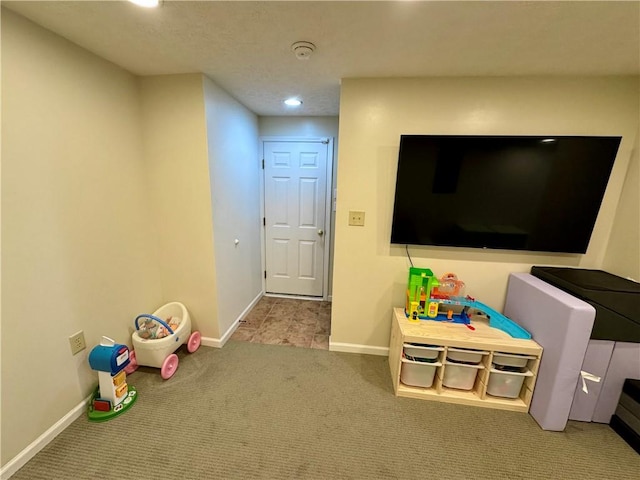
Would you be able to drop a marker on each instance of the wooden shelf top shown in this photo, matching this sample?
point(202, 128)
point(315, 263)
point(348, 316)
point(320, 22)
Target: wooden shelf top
point(459, 335)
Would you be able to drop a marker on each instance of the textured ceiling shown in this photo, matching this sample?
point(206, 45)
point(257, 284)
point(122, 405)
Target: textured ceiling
point(245, 47)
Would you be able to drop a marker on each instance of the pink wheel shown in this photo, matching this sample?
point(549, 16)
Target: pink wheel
point(169, 366)
point(194, 342)
point(133, 363)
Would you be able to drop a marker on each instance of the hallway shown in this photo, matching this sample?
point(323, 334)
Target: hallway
point(287, 321)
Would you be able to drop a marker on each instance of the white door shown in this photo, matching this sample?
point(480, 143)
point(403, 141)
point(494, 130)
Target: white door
point(295, 188)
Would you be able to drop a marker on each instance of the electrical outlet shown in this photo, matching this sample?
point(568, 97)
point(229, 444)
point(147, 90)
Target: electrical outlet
point(77, 342)
point(356, 219)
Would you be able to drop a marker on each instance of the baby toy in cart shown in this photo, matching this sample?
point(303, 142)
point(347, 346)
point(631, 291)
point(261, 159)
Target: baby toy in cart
point(160, 334)
point(152, 329)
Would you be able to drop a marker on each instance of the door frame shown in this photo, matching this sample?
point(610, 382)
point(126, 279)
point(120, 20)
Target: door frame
point(329, 201)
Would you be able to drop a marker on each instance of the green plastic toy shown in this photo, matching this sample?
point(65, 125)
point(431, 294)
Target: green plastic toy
point(421, 281)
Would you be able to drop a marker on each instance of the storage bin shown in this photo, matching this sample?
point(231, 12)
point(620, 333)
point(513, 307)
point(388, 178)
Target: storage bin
point(419, 353)
point(506, 384)
point(511, 359)
point(418, 374)
point(465, 356)
point(460, 375)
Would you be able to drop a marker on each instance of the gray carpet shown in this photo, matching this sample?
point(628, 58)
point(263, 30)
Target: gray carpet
point(276, 412)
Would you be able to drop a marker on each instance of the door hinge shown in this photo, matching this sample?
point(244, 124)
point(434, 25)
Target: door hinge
point(265, 274)
point(263, 163)
point(264, 222)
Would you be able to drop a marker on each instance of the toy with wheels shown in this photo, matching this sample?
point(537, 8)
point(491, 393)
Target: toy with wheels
point(426, 294)
point(113, 395)
point(159, 335)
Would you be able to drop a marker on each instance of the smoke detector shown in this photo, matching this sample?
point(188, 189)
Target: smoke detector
point(303, 50)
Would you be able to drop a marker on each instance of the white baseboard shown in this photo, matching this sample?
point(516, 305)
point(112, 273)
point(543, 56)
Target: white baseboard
point(356, 348)
point(43, 440)
point(219, 342)
point(210, 342)
point(294, 297)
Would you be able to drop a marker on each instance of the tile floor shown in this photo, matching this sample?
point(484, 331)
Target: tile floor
point(287, 321)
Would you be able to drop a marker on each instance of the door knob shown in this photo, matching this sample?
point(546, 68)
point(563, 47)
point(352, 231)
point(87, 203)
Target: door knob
point(320, 232)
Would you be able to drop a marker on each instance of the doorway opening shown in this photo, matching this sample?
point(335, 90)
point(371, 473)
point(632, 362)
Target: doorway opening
point(297, 205)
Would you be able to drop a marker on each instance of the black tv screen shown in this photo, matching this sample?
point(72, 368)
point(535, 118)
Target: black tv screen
point(533, 193)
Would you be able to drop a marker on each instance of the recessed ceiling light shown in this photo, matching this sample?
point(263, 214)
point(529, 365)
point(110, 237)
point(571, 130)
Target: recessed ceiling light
point(293, 102)
point(146, 3)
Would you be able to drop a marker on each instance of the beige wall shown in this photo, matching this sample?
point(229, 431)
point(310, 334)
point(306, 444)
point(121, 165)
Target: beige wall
point(623, 250)
point(76, 253)
point(175, 148)
point(234, 176)
point(369, 274)
point(308, 127)
point(299, 126)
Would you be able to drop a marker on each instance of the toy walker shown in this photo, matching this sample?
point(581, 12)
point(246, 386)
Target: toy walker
point(157, 336)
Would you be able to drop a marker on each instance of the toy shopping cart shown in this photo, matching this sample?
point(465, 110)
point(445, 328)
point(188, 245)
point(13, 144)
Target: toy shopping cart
point(159, 335)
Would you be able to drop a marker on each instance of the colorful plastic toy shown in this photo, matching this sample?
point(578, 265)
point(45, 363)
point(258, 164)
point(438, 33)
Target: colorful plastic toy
point(157, 337)
point(426, 294)
point(113, 395)
point(421, 281)
point(449, 286)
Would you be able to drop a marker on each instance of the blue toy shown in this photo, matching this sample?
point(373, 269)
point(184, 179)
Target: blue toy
point(424, 300)
point(113, 396)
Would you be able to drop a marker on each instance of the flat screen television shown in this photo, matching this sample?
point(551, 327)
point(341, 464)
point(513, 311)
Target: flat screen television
point(533, 193)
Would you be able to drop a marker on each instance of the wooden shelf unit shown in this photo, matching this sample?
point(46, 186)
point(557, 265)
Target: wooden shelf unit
point(443, 334)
